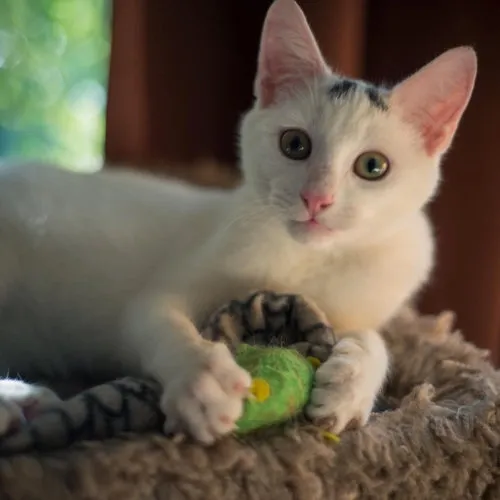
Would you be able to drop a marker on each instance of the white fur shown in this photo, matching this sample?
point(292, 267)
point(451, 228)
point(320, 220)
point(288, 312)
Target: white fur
point(113, 273)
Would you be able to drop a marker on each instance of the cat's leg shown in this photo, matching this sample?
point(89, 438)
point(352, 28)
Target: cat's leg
point(350, 380)
point(20, 401)
point(204, 388)
point(354, 365)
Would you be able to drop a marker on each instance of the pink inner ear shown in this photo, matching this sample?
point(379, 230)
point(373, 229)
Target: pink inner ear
point(434, 99)
point(279, 81)
point(289, 55)
point(439, 129)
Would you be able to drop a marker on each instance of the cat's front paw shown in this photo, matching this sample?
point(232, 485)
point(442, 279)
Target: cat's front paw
point(20, 402)
point(206, 399)
point(346, 387)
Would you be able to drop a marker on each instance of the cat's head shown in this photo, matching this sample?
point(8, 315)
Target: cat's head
point(335, 158)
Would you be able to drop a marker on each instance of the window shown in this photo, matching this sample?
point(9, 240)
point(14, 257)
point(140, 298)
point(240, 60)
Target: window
point(53, 76)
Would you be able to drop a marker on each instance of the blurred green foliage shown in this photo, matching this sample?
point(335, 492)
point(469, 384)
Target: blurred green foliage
point(53, 76)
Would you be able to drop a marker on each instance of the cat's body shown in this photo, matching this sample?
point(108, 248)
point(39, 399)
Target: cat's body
point(114, 273)
point(79, 248)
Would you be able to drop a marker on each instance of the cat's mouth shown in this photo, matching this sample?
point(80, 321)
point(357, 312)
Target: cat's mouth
point(314, 225)
point(311, 227)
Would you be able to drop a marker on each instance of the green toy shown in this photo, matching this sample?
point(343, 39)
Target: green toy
point(282, 384)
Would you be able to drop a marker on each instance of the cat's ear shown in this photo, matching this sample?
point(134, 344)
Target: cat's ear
point(434, 98)
point(289, 54)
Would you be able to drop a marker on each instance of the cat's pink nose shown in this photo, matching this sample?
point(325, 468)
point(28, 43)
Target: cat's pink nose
point(316, 202)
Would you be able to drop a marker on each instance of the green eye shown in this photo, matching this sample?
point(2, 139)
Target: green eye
point(371, 166)
point(295, 144)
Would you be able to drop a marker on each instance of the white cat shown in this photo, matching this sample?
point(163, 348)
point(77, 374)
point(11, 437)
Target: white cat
point(113, 273)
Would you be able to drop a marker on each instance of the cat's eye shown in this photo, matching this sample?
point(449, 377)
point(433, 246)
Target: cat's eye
point(295, 144)
point(371, 166)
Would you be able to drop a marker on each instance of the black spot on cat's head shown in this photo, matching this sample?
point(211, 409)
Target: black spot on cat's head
point(376, 99)
point(342, 88)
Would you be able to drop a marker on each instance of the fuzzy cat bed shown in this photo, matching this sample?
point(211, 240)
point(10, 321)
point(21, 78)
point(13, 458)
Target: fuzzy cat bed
point(435, 434)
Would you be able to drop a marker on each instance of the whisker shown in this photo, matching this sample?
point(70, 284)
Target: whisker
point(247, 217)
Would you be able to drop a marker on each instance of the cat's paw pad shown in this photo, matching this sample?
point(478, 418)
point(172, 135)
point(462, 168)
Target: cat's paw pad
point(206, 401)
point(20, 402)
point(344, 393)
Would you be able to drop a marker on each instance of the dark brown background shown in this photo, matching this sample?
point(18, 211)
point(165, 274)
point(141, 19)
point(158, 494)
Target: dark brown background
point(182, 72)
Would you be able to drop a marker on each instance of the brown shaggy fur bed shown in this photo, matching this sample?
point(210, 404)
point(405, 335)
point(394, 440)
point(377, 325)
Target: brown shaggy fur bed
point(441, 442)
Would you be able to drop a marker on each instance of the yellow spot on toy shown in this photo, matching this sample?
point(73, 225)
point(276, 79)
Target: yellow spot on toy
point(330, 436)
point(315, 362)
point(260, 389)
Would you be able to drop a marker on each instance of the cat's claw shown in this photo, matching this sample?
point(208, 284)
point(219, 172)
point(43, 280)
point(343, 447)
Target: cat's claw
point(345, 389)
point(207, 402)
point(20, 401)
